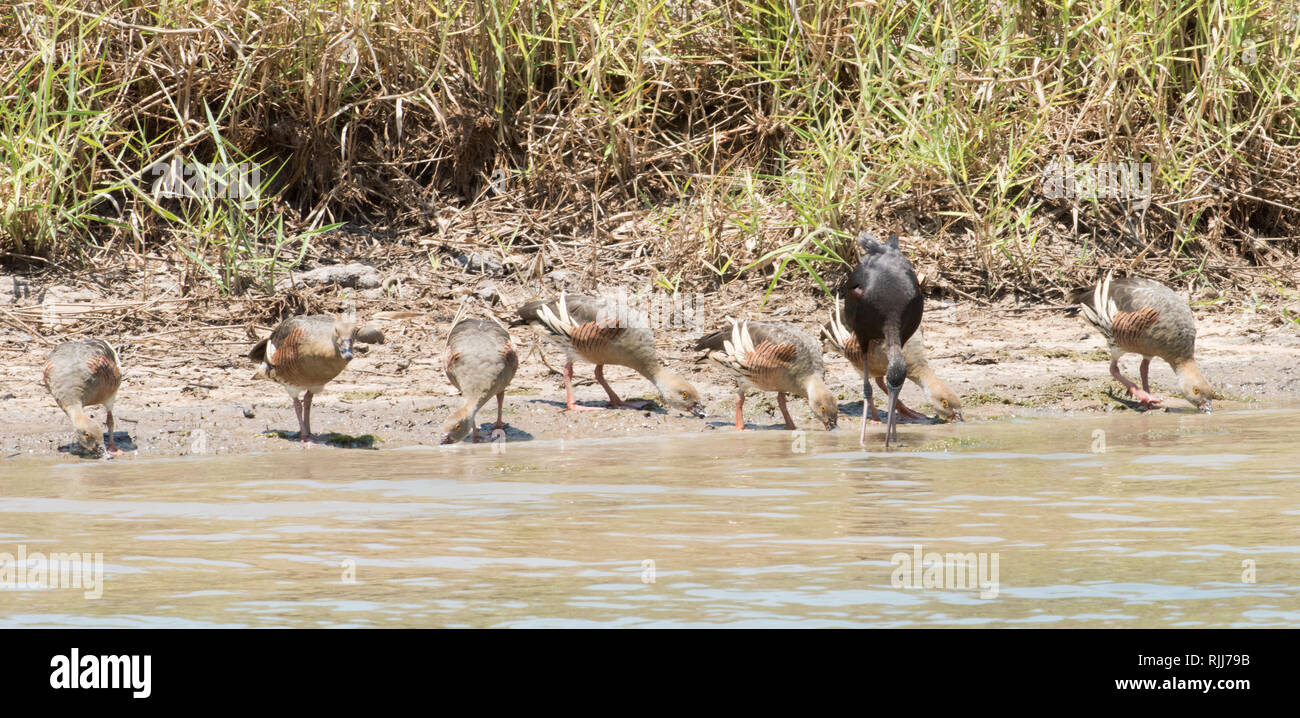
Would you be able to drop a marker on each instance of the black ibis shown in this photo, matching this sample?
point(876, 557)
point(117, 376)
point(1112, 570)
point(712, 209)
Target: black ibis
point(882, 301)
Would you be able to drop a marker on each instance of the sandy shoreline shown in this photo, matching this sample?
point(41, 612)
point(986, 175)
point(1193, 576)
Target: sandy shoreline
point(188, 391)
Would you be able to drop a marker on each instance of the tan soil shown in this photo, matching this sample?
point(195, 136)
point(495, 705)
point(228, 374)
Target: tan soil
point(1003, 360)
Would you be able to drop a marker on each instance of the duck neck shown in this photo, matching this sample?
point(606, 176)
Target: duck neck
point(660, 377)
point(81, 419)
point(815, 386)
point(1187, 370)
point(923, 375)
point(1182, 366)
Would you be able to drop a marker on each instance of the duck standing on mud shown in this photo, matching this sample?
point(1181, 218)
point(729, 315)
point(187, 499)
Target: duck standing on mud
point(602, 332)
point(882, 302)
point(480, 361)
point(84, 373)
point(772, 356)
point(305, 353)
point(1142, 316)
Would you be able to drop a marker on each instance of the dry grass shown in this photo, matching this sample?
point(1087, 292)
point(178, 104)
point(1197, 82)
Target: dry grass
point(685, 142)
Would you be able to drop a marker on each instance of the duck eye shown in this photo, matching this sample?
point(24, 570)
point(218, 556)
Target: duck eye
point(1196, 391)
point(945, 403)
point(685, 395)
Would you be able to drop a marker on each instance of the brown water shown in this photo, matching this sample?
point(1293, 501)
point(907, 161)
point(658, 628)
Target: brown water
point(743, 530)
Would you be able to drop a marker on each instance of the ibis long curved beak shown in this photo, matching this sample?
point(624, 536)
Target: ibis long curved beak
point(866, 409)
point(891, 432)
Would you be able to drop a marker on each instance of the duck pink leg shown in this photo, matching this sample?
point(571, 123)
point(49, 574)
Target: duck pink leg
point(111, 446)
point(740, 410)
point(785, 413)
point(614, 401)
point(304, 419)
point(902, 408)
point(501, 398)
point(297, 411)
point(569, 403)
point(1147, 401)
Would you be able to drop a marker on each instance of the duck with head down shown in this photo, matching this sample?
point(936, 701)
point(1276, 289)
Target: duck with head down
point(602, 331)
point(480, 361)
point(1142, 316)
point(81, 374)
point(772, 356)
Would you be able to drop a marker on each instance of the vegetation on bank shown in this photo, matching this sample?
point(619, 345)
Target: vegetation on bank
point(692, 141)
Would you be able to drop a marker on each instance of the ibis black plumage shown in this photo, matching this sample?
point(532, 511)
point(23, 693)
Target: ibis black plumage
point(882, 302)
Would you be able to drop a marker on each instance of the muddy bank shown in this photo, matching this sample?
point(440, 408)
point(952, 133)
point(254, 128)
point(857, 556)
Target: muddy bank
point(190, 389)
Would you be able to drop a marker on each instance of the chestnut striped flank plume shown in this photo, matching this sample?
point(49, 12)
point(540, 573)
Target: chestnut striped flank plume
point(1131, 329)
point(305, 353)
point(882, 301)
point(945, 400)
point(766, 361)
point(288, 364)
point(772, 356)
point(592, 337)
point(480, 362)
point(81, 374)
point(600, 331)
point(1141, 316)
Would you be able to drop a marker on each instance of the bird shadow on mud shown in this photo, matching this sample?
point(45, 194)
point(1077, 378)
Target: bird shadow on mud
point(651, 406)
point(853, 410)
point(1134, 405)
point(488, 435)
point(122, 438)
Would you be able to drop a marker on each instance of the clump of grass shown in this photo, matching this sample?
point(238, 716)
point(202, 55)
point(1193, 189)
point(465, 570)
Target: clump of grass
point(1077, 389)
point(1094, 355)
point(969, 401)
point(754, 137)
point(347, 441)
point(333, 438)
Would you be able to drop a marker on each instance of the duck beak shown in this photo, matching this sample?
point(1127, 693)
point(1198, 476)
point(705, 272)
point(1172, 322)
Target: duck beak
point(1205, 407)
point(697, 409)
point(345, 349)
point(832, 424)
point(956, 416)
point(446, 439)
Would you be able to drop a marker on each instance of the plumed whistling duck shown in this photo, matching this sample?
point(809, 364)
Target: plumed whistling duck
point(772, 356)
point(80, 374)
point(305, 353)
point(1142, 316)
point(480, 361)
point(602, 332)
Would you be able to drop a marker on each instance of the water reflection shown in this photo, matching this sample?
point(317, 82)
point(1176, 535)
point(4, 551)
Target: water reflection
point(1163, 528)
